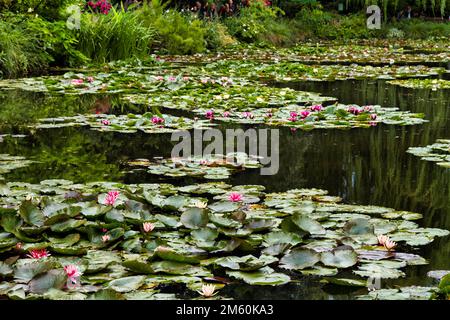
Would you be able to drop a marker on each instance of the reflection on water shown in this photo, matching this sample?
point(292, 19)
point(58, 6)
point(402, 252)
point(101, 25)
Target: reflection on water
point(364, 166)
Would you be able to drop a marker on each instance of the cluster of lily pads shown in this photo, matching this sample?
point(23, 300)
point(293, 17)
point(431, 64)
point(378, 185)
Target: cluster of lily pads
point(148, 122)
point(433, 84)
point(438, 152)
point(214, 167)
point(319, 117)
point(327, 53)
point(244, 98)
point(283, 71)
point(107, 240)
point(9, 163)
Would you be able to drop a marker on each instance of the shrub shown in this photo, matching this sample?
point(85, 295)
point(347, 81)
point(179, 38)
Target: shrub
point(176, 32)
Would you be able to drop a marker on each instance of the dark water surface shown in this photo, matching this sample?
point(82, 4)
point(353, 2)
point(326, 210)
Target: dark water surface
point(363, 166)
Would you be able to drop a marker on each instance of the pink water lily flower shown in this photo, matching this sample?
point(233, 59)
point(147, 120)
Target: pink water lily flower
point(386, 242)
point(172, 79)
point(209, 114)
point(269, 114)
point(373, 116)
point(77, 82)
point(111, 197)
point(317, 108)
point(305, 114)
point(204, 81)
point(373, 123)
point(106, 122)
point(157, 120)
point(148, 226)
point(185, 78)
point(38, 254)
point(159, 78)
point(72, 272)
point(368, 108)
point(235, 197)
point(106, 238)
point(226, 114)
point(247, 115)
point(90, 79)
point(354, 110)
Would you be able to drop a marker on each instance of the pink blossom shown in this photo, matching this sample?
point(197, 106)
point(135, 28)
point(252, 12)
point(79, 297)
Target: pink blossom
point(157, 120)
point(368, 108)
point(104, 230)
point(293, 129)
point(148, 227)
point(106, 122)
point(172, 78)
point(90, 79)
point(72, 272)
point(38, 254)
point(209, 114)
point(185, 78)
point(354, 110)
point(247, 115)
point(235, 197)
point(317, 108)
point(373, 116)
point(111, 197)
point(160, 78)
point(77, 82)
point(226, 114)
point(305, 114)
point(106, 238)
point(269, 114)
point(372, 124)
point(203, 162)
point(204, 81)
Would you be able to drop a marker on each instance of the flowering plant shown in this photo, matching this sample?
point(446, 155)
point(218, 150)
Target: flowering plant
point(102, 6)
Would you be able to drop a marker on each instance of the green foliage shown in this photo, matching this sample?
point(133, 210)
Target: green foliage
point(417, 29)
point(29, 44)
point(255, 23)
point(320, 24)
point(118, 35)
point(49, 9)
point(176, 33)
point(21, 51)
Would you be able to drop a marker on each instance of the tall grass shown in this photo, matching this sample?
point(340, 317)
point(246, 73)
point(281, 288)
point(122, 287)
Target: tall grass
point(21, 51)
point(118, 35)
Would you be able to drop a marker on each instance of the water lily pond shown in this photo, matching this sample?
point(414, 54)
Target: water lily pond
point(93, 205)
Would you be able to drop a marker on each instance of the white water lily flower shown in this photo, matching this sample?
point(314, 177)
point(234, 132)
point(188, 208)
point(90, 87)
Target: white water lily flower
point(208, 290)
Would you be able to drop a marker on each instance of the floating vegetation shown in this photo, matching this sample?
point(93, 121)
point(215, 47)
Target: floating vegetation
point(327, 53)
point(121, 81)
point(319, 117)
point(9, 163)
point(212, 167)
point(108, 240)
point(433, 84)
point(285, 71)
point(244, 98)
point(438, 152)
point(130, 123)
point(404, 293)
